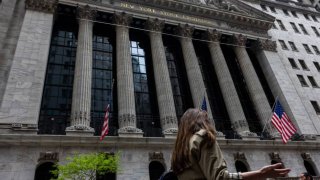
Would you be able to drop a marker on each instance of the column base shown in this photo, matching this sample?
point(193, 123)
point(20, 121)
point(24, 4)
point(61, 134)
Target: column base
point(130, 131)
point(247, 135)
point(18, 128)
point(79, 130)
point(170, 133)
point(220, 135)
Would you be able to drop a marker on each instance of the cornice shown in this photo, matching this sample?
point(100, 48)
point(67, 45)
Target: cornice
point(263, 23)
point(142, 142)
point(288, 5)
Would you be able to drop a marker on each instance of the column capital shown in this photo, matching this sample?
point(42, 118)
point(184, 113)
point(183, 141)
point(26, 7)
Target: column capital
point(155, 24)
point(266, 44)
point(239, 39)
point(185, 30)
point(86, 12)
point(122, 18)
point(213, 35)
point(48, 6)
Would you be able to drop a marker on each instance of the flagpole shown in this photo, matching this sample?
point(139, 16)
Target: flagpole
point(268, 121)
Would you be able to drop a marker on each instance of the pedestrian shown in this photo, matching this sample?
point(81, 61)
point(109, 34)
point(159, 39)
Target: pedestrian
point(197, 155)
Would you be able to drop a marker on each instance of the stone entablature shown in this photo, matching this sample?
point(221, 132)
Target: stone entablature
point(255, 23)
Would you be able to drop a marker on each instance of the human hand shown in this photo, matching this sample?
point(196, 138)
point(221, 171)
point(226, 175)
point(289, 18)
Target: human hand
point(273, 171)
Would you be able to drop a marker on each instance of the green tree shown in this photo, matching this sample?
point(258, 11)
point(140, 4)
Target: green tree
point(86, 166)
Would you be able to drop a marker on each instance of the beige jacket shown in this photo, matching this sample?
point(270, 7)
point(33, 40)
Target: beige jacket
point(207, 163)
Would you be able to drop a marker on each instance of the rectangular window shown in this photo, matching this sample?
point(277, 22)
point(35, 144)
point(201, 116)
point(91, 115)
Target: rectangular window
point(294, 27)
point(314, 18)
point(306, 16)
point(273, 9)
point(315, 48)
point(283, 44)
point(285, 12)
point(312, 81)
point(281, 25)
point(315, 30)
point(293, 63)
point(315, 106)
point(303, 29)
point(317, 65)
point(303, 65)
point(294, 14)
point(302, 80)
point(306, 47)
point(293, 46)
point(263, 7)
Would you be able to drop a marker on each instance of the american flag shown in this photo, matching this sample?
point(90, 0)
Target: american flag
point(282, 123)
point(204, 104)
point(105, 127)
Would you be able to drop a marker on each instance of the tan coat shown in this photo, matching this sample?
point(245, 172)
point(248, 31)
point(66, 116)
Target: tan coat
point(207, 163)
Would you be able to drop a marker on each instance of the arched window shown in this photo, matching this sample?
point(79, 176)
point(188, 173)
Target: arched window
point(309, 167)
point(43, 171)
point(156, 169)
point(241, 166)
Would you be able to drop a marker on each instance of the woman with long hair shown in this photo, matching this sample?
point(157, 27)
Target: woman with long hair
point(197, 155)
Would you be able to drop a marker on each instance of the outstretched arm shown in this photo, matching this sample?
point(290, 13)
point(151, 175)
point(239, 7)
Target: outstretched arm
point(271, 171)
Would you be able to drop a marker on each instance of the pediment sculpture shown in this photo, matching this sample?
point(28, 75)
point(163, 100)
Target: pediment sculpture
point(218, 4)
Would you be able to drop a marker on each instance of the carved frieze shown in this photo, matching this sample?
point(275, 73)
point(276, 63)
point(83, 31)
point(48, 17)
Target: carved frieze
point(185, 30)
point(48, 6)
point(87, 12)
point(49, 156)
point(155, 24)
point(122, 18)
point(213, 35)
point(267, 45)
point(239, 40)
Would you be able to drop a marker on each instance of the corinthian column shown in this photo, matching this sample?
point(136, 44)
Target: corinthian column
point(228, 89)
point(81, 95)
point(197, 87)
point(125, 89)
point(167, 109)
point(256, 91)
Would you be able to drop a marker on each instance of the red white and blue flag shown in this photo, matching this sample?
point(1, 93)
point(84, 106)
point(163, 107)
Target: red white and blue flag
point(282, 123)
point(105, 127)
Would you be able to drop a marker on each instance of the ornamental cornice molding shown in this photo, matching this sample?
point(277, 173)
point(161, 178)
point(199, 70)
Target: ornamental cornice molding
point(48, 6)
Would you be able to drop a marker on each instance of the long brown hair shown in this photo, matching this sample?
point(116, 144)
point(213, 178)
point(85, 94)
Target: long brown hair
point(191, 122)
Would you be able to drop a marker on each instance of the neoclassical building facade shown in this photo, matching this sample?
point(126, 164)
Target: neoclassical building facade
point(63, 61)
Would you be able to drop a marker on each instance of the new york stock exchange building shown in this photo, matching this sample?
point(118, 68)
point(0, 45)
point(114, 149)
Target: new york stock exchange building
point(62, 62)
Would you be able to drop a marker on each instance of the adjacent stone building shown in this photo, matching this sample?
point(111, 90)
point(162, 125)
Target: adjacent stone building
point(63, 61)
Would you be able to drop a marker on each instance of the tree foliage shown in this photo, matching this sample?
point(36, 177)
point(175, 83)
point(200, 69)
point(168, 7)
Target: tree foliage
point(86, 166)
